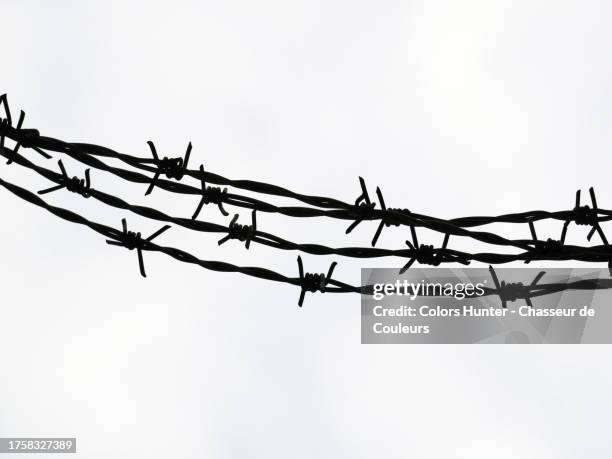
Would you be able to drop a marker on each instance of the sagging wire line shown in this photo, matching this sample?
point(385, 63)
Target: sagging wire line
point(262, 206)
point(363, 209)
point(424, 254)
point(301, 212)
point(511, 292)
point(308, 282)
point(177, 168)
point(359, 212)
point(514, 291)
point(132, 240)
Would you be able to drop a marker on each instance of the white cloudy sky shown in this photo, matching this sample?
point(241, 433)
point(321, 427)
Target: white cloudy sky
point(453, 108)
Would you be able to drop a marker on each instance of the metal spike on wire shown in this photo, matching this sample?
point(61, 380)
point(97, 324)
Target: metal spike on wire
point(170, 167)
point(363, 206)
point(585, 215)
point(132, 240)
point(244, 233)
point(310, 282)
point(210, 195)
point(388, 220)
point(514, 291)
point(74, 184)
point(25, 135)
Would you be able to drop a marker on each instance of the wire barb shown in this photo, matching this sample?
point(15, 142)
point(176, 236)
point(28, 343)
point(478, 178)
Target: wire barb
point(589, 216)
point(74, 184)
point(310, 282)
point(428, 255)
point(132, 240)
point(514, 291)
point(550, 248)
point(210, 195)
point(363, 206)
point(386, 220)
point(5, 122)
point(25, 137)
point(363, 209)
point(244, 233)
point(171, 167)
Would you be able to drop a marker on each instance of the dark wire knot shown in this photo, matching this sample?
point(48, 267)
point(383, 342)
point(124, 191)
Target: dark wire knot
point(28, 137)
point(74, 184)
point(427, 255)
point(363, 206)
point(24, 137)
point(132, 240)
point(585, 215)
point(514, 291)
point(311, 282)
point(170, 167)
point(214, 195)
point(79, 186)
point(210, 195)
point(389, 221)
point(548, 248)
point(387, 218)
point(244, 233)
point(551, 246)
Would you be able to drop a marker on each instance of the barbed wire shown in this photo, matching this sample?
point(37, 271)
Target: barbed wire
point(514, 291)
point(308, 282)
point(511, 291)
point(424, 254)
point(363, 209)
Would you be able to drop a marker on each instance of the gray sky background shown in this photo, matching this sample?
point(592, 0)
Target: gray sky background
point(453, 108)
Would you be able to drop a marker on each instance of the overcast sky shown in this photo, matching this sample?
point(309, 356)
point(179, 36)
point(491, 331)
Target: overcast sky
point(452, 108)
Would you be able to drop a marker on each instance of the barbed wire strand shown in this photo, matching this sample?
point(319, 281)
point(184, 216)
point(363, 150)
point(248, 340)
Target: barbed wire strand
point(308, 282)
point(363, 209)
point(424, 254)
point(176, 168)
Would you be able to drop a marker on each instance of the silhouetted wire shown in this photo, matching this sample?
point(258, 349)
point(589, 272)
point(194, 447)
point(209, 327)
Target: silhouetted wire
point(251, 203)
point(31, 135)
point(308, 282)
point(176, 168)
point(362, 210)
point(424, 254)
point(513, 291)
